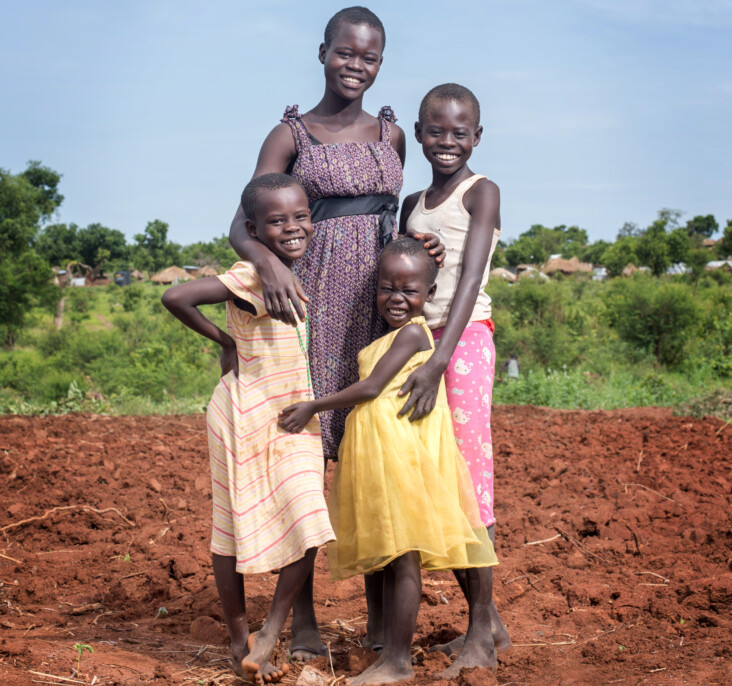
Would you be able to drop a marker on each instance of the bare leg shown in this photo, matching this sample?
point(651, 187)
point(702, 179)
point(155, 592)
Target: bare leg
point(374, 584)
point(230, 585)
point(501, 637)
point(478, 649)
point(306, 643)
point(402, 593)
point(291, 579)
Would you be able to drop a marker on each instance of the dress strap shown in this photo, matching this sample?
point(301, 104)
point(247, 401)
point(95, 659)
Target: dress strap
point(292, 118)
point(386, 115)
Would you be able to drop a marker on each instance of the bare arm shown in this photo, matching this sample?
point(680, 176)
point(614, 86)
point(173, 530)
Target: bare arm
point(182, 301)
point(482, 202)
point(280, 287)
point(410, 340)
point(399, 142)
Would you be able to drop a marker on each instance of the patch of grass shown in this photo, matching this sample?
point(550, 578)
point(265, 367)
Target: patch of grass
point(715, 404)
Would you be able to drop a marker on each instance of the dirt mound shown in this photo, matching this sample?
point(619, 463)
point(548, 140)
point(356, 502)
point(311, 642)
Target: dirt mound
point(614, 537)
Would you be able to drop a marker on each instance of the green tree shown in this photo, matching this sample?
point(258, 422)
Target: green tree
point(26, 199)
point(652, 249)
point(629, 229)
point(99, 243)
point(703, 226)
point(217, 253)
point(724, 247)
point(59, 244)
point(679, 245)
point(696, 260)
point(594, 252)
point(653, 316)
point(619, 255)
point(153, 251)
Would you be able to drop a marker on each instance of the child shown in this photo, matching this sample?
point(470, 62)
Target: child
point(463, 209)
point(401, 495)
point(350, 164)
point(269, 510)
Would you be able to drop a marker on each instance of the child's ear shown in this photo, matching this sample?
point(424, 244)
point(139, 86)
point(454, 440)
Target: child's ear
point(431, 293)
point(321, 52)
point(477, 135)
point(418, 132)
point(251, 228)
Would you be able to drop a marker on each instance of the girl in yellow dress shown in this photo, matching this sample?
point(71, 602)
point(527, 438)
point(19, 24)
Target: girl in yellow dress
point(402, 497)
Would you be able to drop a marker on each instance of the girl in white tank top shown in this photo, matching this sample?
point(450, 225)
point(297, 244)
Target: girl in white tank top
point(463, 210)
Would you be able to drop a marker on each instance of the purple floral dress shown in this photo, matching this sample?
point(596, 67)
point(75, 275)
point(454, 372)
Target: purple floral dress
point(338, 270)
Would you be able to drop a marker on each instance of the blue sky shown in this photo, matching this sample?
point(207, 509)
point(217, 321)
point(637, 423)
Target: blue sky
point(595, 112)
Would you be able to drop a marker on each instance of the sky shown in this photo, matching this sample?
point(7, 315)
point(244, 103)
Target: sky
point(596, 112)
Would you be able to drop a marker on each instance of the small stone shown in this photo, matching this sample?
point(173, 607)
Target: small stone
point(312, 677)
point(181, 504)
point(109, 465)
point(155, 485)
point(15, 508)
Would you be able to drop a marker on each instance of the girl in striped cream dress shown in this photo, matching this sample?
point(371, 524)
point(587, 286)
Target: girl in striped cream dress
point(269, 510)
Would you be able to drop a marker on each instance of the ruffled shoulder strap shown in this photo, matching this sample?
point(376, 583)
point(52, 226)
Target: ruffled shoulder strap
point(292, 118)
point(386, 115)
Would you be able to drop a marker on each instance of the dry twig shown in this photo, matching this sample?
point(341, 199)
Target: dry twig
point(665, 497)
point(575, 542)
point(544, 540)
point(12, 559)
point(67, 508)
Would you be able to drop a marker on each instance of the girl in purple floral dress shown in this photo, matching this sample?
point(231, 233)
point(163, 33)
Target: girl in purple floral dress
point(338, 271)
point(350, 164)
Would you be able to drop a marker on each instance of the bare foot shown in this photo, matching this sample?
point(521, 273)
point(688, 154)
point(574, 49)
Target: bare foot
point(501, 641)
point(306, 645)
point(387, 672)
point(259, 652)
point(475, 653)
point(373, 643)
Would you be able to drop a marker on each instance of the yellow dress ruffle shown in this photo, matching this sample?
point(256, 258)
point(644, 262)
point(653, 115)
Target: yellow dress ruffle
point(402, 486)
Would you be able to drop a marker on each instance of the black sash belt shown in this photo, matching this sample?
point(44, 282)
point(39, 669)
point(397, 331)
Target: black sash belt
point(384, 205)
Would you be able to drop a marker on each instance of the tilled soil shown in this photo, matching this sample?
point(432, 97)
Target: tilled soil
point(614, 537)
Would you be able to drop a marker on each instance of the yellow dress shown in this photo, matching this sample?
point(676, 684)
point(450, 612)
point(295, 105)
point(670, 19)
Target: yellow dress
point(402, 486)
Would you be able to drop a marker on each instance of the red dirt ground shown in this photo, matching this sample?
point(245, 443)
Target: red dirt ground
point(633, 584)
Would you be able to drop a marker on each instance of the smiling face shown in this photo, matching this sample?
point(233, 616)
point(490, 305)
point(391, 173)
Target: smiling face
point(352, 60)
point(448, 134)
point(402, 288)
point(282, 222)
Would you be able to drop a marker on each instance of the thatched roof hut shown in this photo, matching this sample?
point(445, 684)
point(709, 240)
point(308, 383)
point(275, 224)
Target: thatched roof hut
point(500, 272)
point(206, 270)
point(567, 267)
point(171, 275)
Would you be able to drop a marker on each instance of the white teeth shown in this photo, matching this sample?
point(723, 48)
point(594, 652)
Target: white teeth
point(350, 79)
point(396, 313)
point(292, 241)
point(445, 156)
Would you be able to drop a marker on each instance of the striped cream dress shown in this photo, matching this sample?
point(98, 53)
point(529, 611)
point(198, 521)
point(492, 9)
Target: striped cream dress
point(268, 502)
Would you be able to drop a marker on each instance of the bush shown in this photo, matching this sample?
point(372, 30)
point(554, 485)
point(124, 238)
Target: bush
point(653, 316)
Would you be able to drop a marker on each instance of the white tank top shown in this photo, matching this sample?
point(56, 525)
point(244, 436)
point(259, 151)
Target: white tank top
point(450, 221)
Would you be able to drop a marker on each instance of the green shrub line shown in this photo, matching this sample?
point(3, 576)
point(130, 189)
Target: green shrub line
point(581, 344)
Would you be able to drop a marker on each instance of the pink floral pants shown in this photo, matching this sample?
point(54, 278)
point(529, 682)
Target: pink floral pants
point(469, 382)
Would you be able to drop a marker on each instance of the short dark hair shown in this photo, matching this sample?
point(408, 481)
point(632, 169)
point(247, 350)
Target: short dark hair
point(266, 182)
point(353, 15)
point(406, 245)
point(450, 91)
